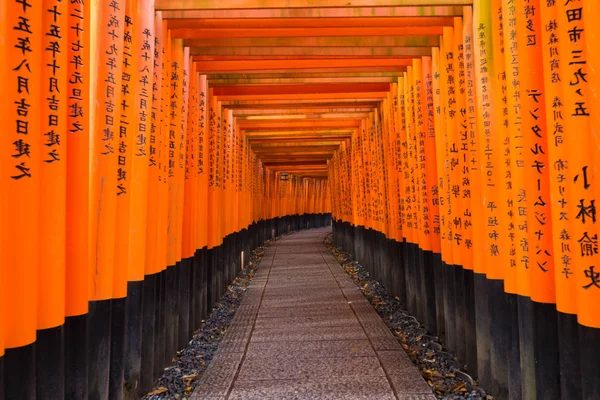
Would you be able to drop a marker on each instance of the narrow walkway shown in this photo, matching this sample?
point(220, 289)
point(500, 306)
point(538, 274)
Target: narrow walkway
point(305, 331)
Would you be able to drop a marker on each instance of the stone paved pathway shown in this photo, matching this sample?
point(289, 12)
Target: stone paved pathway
point(305, 331)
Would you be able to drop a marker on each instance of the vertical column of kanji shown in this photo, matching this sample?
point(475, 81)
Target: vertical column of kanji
point(393, 155)
point(212, 201)
point(77, 196)
point(138, 130)
point(228, 190)
point(461, 193)
point(23, 151)
point(471, 186)
point(381, 166)
point(400, 140)
point(409, 170)
point(519, 255)
point(451, 184)
point(419, 153)
point(202, 196)
point(438, 191)
point(125, 137)
point(362, 139)
point(486, 120)
point(52, 222)
point(578, 108)
point(164, 352)
point(502, 150)
point(109, 53)
point(175, 103)
point(411, 200)
point(191, 196)
point(425, 260)
point(537, 321)
point(592, 8)
point(412, 207)
point(182, 154)
point(430, 154)
point(433, 259)
point(575, 67)
point(153, 128)
point(473, 161)
point(183, 273)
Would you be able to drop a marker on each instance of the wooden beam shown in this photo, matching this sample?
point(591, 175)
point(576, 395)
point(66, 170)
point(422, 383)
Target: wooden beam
point(286, 53)
point(291, 143)
point(192, 33)
point(311, 70)
point(360, 22)
point(355, 40)
point(222, 91)
point(292, 4)
point(308, 81)
point(269, 103)
point(292, 74)
point(318, 12)
point(253, 65)
point(292, 111)
point(307, 97)
point(304, 116)
point(323, 123)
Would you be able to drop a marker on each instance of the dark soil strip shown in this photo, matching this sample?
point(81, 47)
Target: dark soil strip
point(180, 379)
point(440, 369)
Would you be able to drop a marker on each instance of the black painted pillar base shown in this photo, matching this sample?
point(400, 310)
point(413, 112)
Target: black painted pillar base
point(76, 357)
point(449, 277)
point(117, 347)
point(499, 335)
point(438, 271)
point(2, 378)
point(470, 323)
point(483, 328)
point(547, 367)
point(98, 348)
point(429, 294)
point(148, 337)
point(19, 373)
point(461, 310)
point(132, 367)
point(589, 345)
point(183, 302)
point(50, 364)
point(513, 346)
point(160, 324)
point(569, 357)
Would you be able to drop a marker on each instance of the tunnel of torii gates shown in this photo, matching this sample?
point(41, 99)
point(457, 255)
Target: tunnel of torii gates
point(148, 146)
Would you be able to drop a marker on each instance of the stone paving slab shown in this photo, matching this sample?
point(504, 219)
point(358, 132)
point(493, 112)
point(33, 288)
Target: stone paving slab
point(308, 321)
point(353, 388)
point(304, 367)
point(305, 331)
point(317, 349)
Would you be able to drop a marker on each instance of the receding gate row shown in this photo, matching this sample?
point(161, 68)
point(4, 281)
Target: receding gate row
point(483, 161)
point(127, 198)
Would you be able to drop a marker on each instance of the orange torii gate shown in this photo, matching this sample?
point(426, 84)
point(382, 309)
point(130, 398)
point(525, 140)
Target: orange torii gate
point(150, 145)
